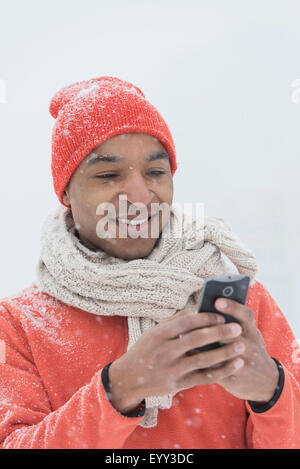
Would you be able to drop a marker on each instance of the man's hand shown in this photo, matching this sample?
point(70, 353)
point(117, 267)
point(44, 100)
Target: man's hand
point(162, 360)
point(257, 379)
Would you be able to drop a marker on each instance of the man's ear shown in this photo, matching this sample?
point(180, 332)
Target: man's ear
point(66, 199)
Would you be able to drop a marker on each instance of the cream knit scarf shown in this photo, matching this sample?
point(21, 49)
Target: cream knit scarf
point(145, 290)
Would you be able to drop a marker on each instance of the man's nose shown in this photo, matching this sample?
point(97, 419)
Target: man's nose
point(138, 189)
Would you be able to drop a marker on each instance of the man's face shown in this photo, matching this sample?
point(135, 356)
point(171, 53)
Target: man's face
point(136, 168)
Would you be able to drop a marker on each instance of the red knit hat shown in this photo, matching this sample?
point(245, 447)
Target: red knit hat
point(89, 112)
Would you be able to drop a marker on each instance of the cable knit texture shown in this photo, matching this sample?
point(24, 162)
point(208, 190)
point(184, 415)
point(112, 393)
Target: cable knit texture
point(146, 290)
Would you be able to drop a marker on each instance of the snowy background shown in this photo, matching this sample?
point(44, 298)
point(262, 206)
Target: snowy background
point(224, 75)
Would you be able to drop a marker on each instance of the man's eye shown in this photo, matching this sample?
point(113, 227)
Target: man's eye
point(157, 173)
point(106, 176)
point(103, 176)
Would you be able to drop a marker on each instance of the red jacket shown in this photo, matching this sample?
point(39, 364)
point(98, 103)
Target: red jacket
point(52, 394)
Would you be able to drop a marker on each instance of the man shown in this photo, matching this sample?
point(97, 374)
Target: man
point(100, 352)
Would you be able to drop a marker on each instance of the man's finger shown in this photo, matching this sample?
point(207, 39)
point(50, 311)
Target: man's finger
point(182, 312)
point(204, 336)
point(213, 375)
point(241, 312)
point(183, 323)
point(209, 359)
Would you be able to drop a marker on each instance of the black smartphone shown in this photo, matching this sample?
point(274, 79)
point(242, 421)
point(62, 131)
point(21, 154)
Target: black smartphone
point(234, 287)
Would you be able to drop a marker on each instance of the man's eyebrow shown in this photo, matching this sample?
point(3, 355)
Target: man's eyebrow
point(95, 158)
point(160, 155)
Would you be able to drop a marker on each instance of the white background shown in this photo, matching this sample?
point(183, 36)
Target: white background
point(220, 73)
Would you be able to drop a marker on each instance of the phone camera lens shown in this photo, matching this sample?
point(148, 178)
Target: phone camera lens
point(227, 291)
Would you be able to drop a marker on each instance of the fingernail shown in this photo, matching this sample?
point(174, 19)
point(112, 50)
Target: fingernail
point(222, 304)
point(238, 363)
point(235, 328)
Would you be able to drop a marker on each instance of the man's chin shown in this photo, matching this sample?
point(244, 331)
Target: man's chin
point(129, 249)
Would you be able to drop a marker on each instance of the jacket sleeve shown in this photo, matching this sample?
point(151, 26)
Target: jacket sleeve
point(86, 420)
point(277, 425)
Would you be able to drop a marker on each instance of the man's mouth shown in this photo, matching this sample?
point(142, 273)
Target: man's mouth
point(135, 224)
point(134, 221)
